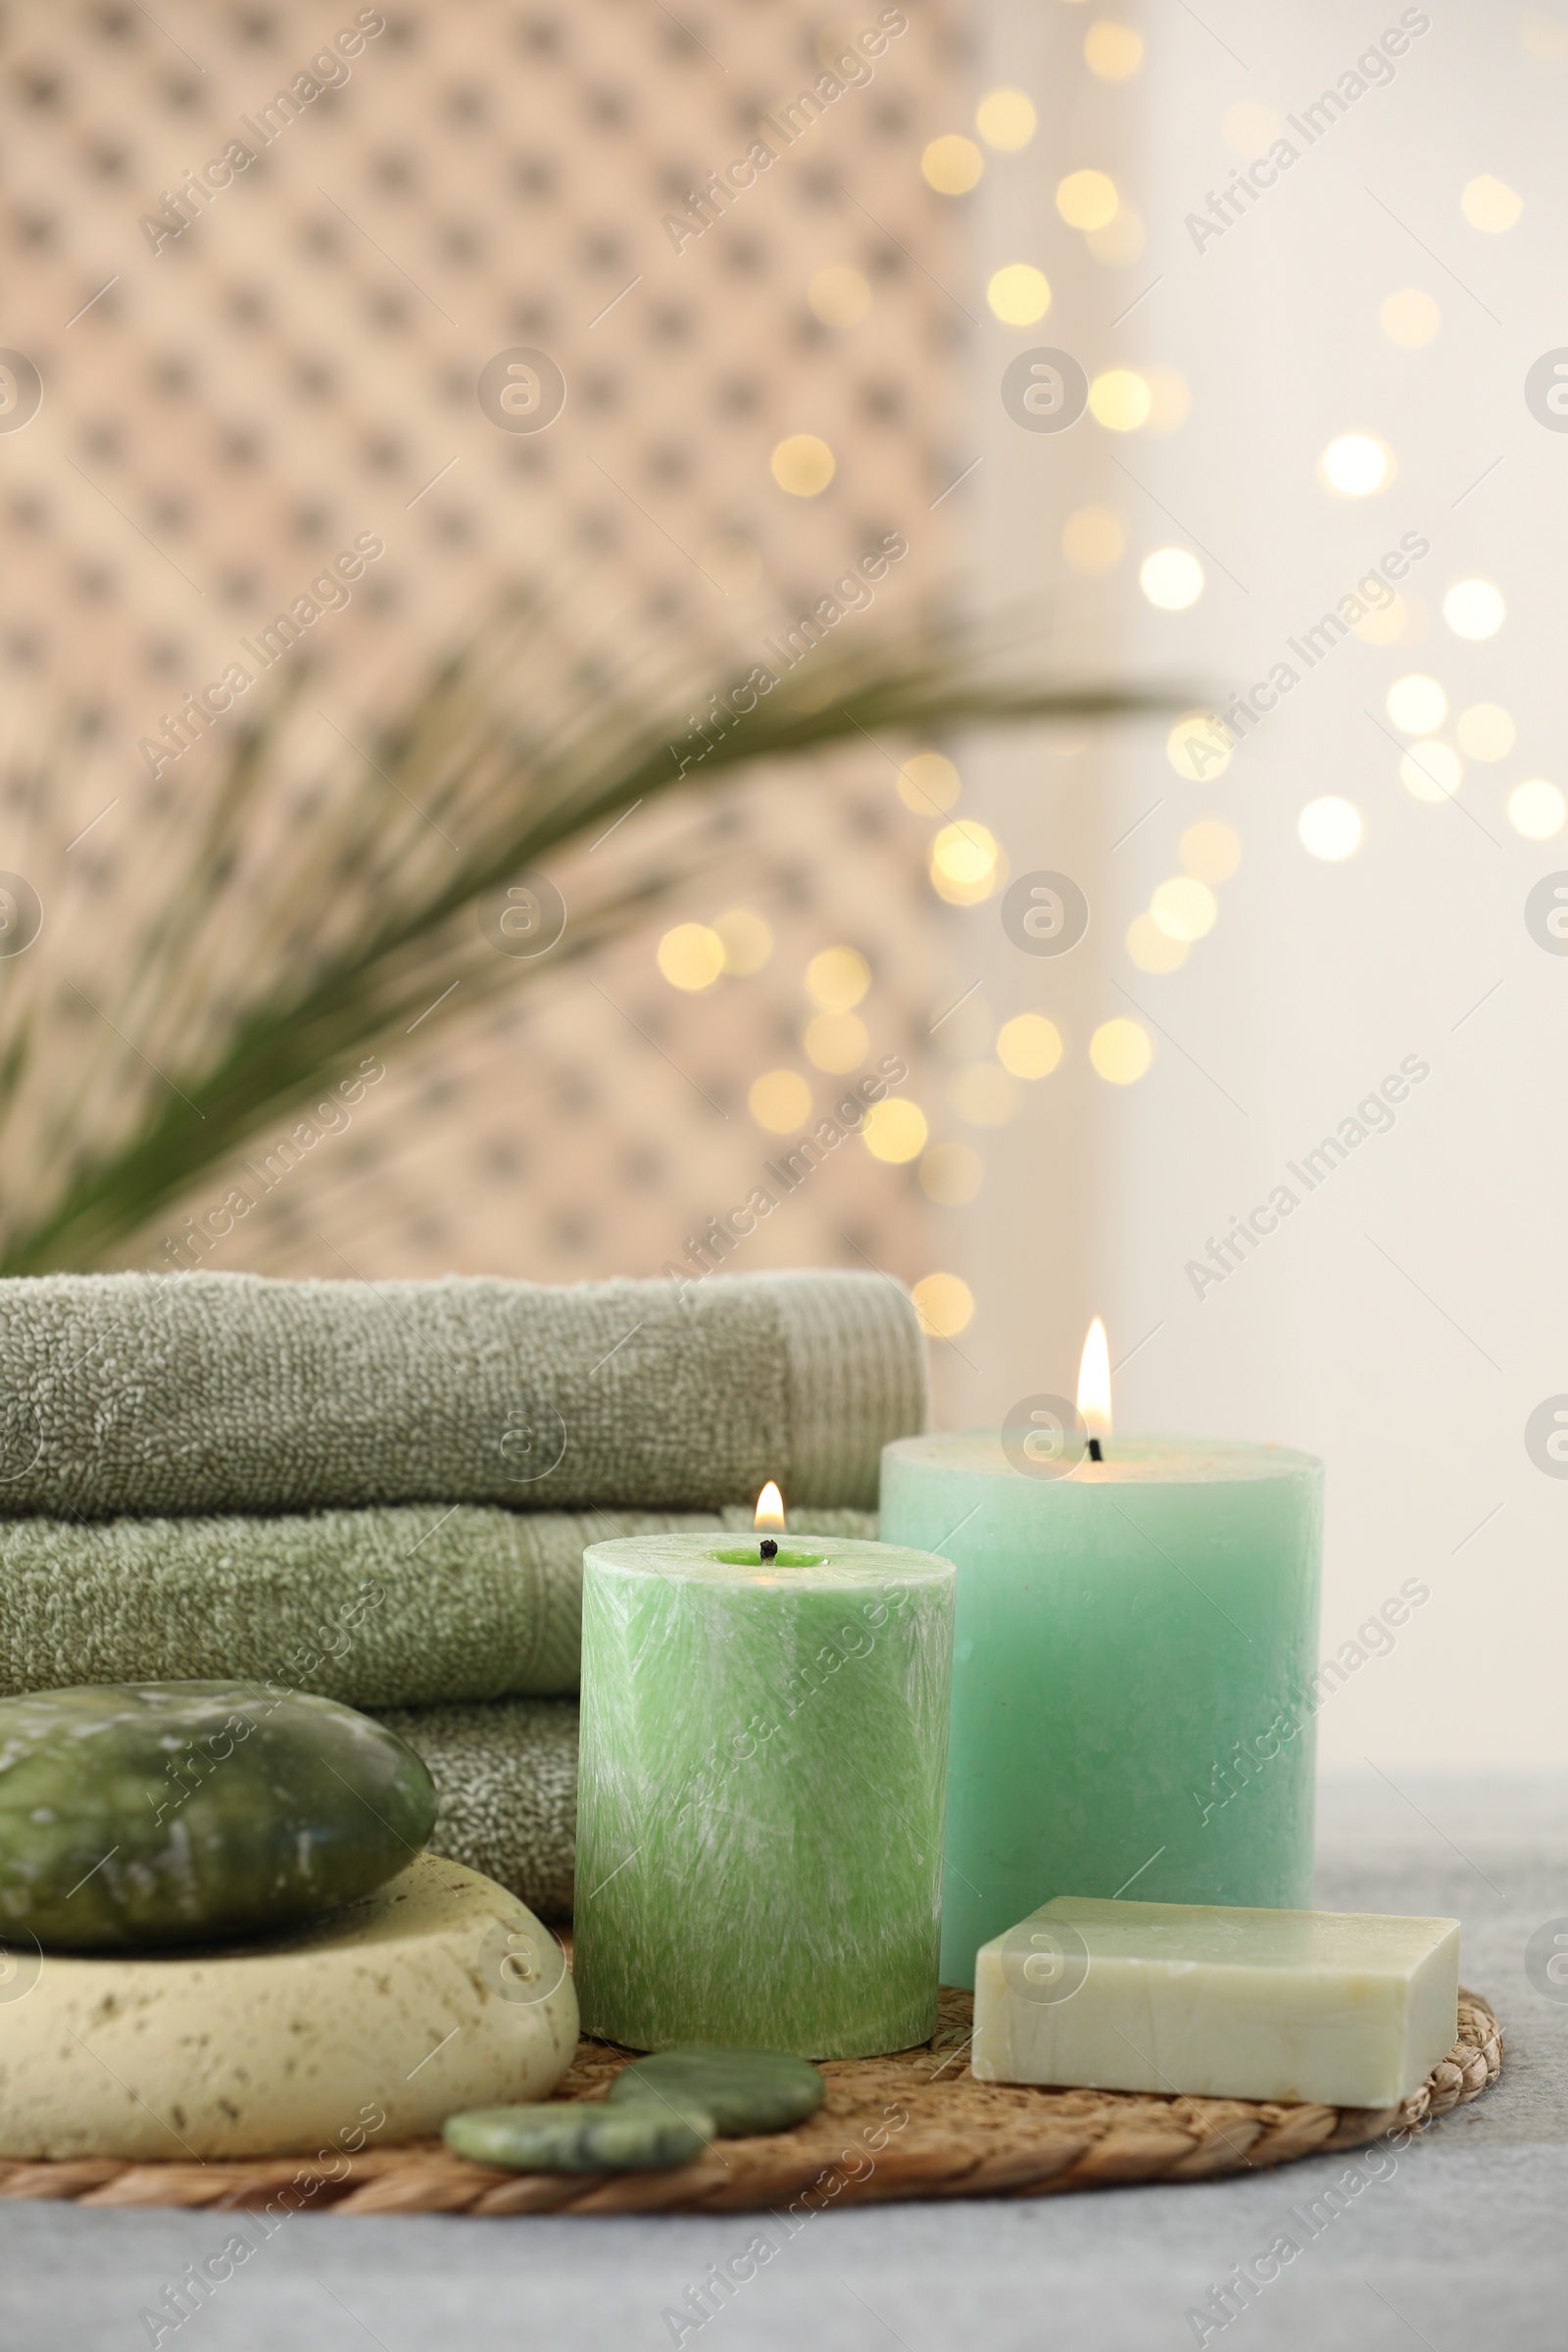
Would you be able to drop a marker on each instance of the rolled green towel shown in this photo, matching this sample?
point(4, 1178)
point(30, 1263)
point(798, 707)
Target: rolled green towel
point(395, 1607)
point(208, 1392)
point(507, 1778)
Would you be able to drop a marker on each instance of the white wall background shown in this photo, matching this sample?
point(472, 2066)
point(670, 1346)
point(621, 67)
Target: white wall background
point(1410, 1315)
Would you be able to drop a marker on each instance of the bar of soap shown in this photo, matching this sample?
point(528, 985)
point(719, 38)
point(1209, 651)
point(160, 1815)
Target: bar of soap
point(1349, 2009)
point(439, 1992)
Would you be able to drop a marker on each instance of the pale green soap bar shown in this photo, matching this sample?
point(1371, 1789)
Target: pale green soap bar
point(1349, 2009)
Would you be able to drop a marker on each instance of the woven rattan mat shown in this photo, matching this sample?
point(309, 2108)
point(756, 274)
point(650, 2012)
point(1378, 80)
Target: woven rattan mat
point(914, 2125)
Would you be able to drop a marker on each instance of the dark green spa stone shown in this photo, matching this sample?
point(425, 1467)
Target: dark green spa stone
point(744, 2090)
point(572, 2135)
point(158, 1814)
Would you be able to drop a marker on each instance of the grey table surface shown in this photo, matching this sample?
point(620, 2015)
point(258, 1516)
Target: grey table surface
point(1459, 2240)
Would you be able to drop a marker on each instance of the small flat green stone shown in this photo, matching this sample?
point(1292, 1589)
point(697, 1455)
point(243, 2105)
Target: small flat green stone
point(570, 2135)
point(743, 2090)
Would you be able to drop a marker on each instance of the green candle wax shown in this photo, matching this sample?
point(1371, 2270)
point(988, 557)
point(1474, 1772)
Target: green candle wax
point(763, 1756)
point(1134, 1656)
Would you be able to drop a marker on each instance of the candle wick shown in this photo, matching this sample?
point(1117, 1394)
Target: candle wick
point(1095, 1454)
point(768, 1548)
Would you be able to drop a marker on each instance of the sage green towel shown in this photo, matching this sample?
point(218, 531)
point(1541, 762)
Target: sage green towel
point(393, 1607)
point(210, 1393)
point(506, 1777)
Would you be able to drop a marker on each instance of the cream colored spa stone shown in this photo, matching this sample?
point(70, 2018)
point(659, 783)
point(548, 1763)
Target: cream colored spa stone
point(1350, 2009)
point(440, 1991)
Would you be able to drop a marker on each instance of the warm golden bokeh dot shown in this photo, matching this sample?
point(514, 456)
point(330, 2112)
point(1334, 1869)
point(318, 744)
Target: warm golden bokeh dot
point(1210, 850)
point(1171, 578)
point(1184, 908)
point(803, 465)
point(691, 956)
point(894, 1130)
point(1409, 318)
point(965, 863)
point(951, 165)
point(945, 1305)
point(836, 1041)
point(837, 979)
point(1387, 623)
point(1329, 828)
point(1018, 294)
point(1474, 609)
point(1029, 1045)
point(1356, 465)
point(839, 295)
point(1120, 400)
point(1490, 204)
point(1113, 52)
point(1198, 747)
point(1432, 771)
point(1120, 1050)
point(985, 1094)
point(1087, 199)
point(951, 1174)
point(1537, 809)
point(1152, 949)
point(1005, 120)
point(746, 939)
point(1417, 704)
point(1485, 731)
point(1094, 540)
point(779, 1101)
point(928, 783)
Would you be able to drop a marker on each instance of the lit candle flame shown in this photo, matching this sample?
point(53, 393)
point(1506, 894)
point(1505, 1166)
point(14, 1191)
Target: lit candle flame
point(1093, 1382)
point(769, 1519)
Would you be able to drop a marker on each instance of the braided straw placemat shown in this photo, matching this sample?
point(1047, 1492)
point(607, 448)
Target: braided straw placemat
point(917, 2124)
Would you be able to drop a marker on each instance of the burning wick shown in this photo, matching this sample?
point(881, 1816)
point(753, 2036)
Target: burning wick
point(769, 1514)
point(1094, 1388)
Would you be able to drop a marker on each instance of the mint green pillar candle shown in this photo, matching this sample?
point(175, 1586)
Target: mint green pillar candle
point(760, 1794)
point(1134, 1653)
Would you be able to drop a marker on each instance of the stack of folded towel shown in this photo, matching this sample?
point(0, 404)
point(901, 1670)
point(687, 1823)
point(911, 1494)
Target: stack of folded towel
point(382, 1493)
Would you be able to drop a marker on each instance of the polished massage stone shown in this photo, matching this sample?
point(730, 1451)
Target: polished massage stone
point(437, 1992)
point(743, 2090)
point(761, 1765)
point(1347, 2009)
point(572, 2135)
point(135, 1815)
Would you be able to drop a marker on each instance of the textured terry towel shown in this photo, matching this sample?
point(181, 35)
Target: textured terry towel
point(506, 1776)
point(206, 1392)
point(381, 1608)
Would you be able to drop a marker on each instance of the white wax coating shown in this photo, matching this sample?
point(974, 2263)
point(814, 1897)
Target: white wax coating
point(1349, 2009)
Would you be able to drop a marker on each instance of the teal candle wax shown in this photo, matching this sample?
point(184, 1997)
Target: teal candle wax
point(1134, 1653)
point(760, 1794)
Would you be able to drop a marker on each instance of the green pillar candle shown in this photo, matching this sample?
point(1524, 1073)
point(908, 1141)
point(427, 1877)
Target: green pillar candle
point(760, 1794)
point(1134, 1655)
